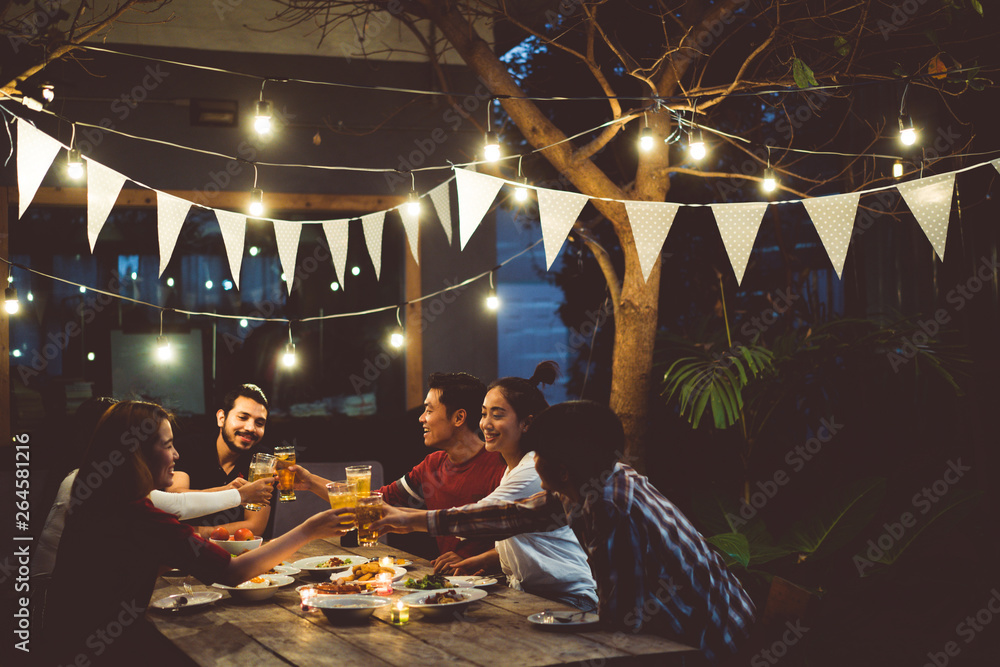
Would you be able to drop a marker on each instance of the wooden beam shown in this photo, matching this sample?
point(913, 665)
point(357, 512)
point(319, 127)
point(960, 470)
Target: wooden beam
point(5, 433)
point(414, 336)
point(232, 200)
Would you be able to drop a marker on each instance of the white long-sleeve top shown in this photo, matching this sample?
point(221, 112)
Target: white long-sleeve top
point(551, 564)
point(183, 505)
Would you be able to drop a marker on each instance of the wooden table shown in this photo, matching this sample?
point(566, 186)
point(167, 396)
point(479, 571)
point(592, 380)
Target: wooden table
point(493, 631)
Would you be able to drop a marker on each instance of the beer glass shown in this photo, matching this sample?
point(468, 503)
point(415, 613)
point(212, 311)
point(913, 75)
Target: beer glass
point(286, 479)
point(262, 466)
point(361, 477)
point(341, 495)
point(368, 510)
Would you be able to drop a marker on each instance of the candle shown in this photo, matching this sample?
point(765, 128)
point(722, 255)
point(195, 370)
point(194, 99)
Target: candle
point(384, 584)
point(399, 613)
point(306, 596)
point(385, 561)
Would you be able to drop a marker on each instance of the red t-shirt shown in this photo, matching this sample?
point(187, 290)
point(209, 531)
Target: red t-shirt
point(436, 483)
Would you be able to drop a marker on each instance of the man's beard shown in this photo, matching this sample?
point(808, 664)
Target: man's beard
point(231, 441)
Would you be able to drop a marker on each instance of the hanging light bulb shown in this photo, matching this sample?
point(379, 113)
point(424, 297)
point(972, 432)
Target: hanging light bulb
point(397, 338)
point(696, 148)
point(254, 250)
point(74, 164)
point(163, 350)
point(262, 117)
point(413, 203)
point(11, 304)
point(48, 92)
point(288, 357)
point(31, 297)
point(256, 205)
point(907, 134)
point(646, 139)
point(491, 147)
point(897, 169)
point(492, 300)
point(770, 181)
point(521, 191)
point(170, 282)
point(244, 323)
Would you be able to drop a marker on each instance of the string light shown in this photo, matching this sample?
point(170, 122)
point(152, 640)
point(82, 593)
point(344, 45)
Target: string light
point(355, 270)
point(163, 350)
point(907, 134)
point(334, 286)
point(646, 139)
point(48, 92)
point(170, 282)
point(209, 284)
point(30, 297)
point(397, 337)
point(413, 200)
point(254, 250)
point(288, 357)
point(770, 180)
point(263, 114)
point(696, 143)
point(897, 169)
point(74, 164)
point(491, 146)
point(244, 323)
point(91, 356)
point(521, 191)
point(10, 303)
point(492, 300)
point(256, 197)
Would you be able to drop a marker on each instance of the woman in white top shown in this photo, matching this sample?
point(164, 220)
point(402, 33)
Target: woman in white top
point(550, 564)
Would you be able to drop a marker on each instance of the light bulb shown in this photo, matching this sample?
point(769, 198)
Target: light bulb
point(254, 250)
point(209, 284)
point(163, 350)
point(16, 353)
point(697, 149)
point(397, 338)
point(74, 165)
point(908, 136)
point(492, 300)
point(11, 304)
point(170, 282)
point(91, 356)
point(256, 202)
point(31, 297)
point(83, 290)
point(227, 285)
point(355, 270)
point(334, 286)
point(770, 182)
point(134, 275)
point(491, 148)
point(413, 203)
point(48, 92)
point(262, 118)
point(646, 139)
point(288, 358)
point(897, 169)
point(521, 191)
point(244, 323)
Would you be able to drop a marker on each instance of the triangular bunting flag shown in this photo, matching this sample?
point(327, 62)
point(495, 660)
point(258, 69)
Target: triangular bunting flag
point(557, 211)
point(996, 163)
point(929, 200)
point(287, 235)
point(833, 218)
point(234, 234)
point(103, 186)
point(170, 214)
point(372, 224)
point(35, 152)
point(441, 198)
point(336, 232)
point(411, 223)
point(476, 193)
point(738, 225)
point(650, 223)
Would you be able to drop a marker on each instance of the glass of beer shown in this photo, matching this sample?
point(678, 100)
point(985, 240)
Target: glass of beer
point(341, 495)
point(368, 510)
point(361, 477)
point(286, 479)
point(262, 466)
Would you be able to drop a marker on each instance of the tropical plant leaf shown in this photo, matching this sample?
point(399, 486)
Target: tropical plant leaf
point(734, 545)
point(976, 5)
point(841, 45)
point(803, 74)
point(837, 524)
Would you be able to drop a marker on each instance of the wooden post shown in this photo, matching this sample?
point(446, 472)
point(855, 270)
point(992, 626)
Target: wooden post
point(414, 337)
point(5, 433)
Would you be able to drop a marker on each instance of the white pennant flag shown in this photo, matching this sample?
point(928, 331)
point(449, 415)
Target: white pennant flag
point(476, 193)
point(35, 152)
point(441, 198)
point(234, 234)
point(336, 232)
point(929, 200)
point(557, 211)
point(170, 214)
point(650, 223)
point(738, 225)
point(411, 223)
point(833, 218)
point(103, 187)
point(372, 224)
point(996, 163)
point(287, 235)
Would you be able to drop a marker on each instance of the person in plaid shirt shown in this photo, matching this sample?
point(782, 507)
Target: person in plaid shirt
point(654, 571)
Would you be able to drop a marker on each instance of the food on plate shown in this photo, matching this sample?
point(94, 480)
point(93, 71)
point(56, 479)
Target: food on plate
point(220, 534)
point(444, 597)
point(429, 582)
point(366, 572)
point(243, 534)
point(256, 582)
point(332, 588)
point(334, 562)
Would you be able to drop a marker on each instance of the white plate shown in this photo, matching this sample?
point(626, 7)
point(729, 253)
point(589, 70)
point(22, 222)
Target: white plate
point(399, 571)
point(478, 582)
point(299, 589)
point(571, 619)
point(277, 581)
point(310, 564)
point(469, 595)
point(198, 599)
point(286, 570)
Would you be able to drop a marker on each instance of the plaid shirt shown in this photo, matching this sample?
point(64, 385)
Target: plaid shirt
point(654, 571)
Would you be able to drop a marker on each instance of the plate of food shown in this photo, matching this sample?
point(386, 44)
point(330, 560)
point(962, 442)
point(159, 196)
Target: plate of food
point(186, 601)
point(437, 603)
point(287, 570)
point(368, 572)
point(475, 581)
point(331, 588)
point(322, 566)
point(399, 562)
point(432, 582)
point(570, 620)
point(257, 588)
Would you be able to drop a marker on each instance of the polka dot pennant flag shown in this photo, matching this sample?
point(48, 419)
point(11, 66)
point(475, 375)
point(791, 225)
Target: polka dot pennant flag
point(441, 198)
point(929, 200)
point(557, 211)
point(287, 235)
point(833, 218)
point(372, 224)
point(650, 221)
point(234, 233)
point(35, 152)
point(476, 193)
point(103, 187)
point(336, 232)
point(738, 225)
point(411, 224)
point(170, 214)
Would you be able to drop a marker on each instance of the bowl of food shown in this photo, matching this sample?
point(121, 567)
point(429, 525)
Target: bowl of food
point(258, 588)
point(344, 609)
point(321, 567)
point(443, 603)
point(242, 540)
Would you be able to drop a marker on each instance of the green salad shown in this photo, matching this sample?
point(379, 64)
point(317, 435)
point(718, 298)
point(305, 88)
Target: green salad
point(429, 582)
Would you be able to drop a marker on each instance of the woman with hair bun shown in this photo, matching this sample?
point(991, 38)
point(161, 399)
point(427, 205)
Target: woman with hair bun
point(550, 564)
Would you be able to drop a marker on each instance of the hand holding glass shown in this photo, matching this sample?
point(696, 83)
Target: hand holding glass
point(341, 495)
point(368, 511)
point(262, 466)
point(286, 479)
point(361, 477)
